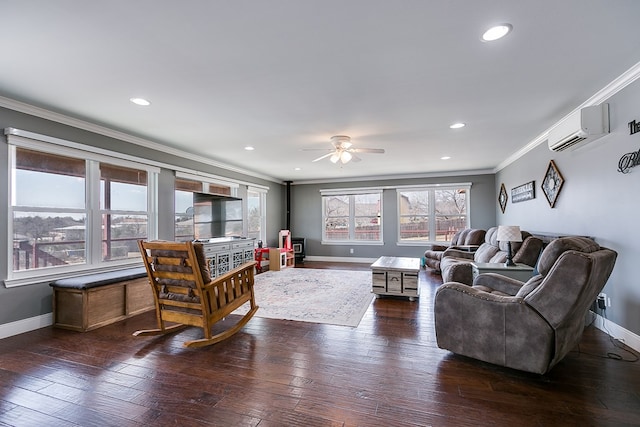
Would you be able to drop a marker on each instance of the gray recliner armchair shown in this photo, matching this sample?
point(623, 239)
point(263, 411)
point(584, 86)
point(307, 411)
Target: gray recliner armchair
point(527, 326)
point(468, 237)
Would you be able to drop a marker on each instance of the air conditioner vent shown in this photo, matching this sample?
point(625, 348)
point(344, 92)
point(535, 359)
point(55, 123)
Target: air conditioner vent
point(569, 143)
point(584, 125)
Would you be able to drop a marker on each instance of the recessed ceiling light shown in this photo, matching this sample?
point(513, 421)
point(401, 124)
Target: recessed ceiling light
point(249, 148)
point(297, 169)
point(445, 157)
point(496, 32)
point(457, 125)
point(140, 101)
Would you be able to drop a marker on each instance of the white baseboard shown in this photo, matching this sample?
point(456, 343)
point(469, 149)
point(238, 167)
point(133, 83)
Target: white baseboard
point(617, 332)
point(25, 325)
point(340, 259)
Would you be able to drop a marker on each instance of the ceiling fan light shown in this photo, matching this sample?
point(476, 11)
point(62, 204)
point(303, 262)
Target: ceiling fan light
point(335, 157)
point(345, 157)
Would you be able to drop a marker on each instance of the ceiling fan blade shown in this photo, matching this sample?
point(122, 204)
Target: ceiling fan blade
point(318, 149)
point(355, 158)
point(322, 157)
point(368, 150)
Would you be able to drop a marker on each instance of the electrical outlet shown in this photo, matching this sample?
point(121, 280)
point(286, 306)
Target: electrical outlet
point(351, 250)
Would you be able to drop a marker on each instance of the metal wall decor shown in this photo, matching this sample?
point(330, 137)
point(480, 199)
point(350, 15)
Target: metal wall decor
point(503, 197)
point(552, 183)
point(523, 192)
point(629, 160)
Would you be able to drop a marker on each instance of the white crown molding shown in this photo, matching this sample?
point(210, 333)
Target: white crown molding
point(624, 80)
point(42, 113)
point(394, 177)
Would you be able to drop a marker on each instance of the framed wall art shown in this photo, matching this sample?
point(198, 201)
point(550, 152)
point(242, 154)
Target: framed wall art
point(503, 197)
point(552, 183)
point(523, 192)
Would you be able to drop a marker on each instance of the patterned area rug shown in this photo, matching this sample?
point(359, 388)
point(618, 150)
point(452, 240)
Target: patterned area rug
point(336, 297)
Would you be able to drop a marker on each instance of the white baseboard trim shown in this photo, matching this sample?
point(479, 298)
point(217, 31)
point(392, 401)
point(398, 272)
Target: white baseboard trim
point(25, 325)
point(340, 259)
point(616, 331)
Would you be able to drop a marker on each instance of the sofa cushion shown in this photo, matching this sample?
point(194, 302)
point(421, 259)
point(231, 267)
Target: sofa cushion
point(99, 279)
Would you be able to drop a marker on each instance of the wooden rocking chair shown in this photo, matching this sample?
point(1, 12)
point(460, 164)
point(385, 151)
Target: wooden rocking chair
point(186, 295)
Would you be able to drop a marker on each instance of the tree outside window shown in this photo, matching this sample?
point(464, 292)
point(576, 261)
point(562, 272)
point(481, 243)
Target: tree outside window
point(432, 214)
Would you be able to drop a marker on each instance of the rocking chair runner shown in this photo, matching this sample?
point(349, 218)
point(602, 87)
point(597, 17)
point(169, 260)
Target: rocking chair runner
point(186, 295)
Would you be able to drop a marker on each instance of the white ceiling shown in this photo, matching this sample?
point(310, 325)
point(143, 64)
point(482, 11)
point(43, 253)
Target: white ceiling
point(283, 75)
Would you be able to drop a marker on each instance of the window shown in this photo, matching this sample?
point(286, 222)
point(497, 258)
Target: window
point(185, 186)
point(256, 214)
point(352, 218)
point(71, 210)
point(432, 214)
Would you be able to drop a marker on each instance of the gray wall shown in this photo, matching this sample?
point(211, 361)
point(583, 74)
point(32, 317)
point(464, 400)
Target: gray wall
point(595, 200)
point(25, 302)
point(306, 215)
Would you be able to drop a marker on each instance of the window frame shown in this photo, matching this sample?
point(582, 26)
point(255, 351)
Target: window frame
point(92, 209)
point(351, 194)
point(262, 194)
point(430, 189)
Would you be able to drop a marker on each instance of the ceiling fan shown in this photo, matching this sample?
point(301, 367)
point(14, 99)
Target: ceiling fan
point(343, 150)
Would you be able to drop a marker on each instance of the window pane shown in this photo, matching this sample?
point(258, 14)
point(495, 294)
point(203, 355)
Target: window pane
point(414, 203)
point(414, 215)
point(451, 209)
point(336, 229)
point(123, 189)
point(120, 235)
point(336, 216)
point(42, 239)
point(367, 204)
point(254, 216)
point(451, 202)
point(367, 228)
point(337, 206)
point(47, 180)
point(448, 225)
point(188, 185)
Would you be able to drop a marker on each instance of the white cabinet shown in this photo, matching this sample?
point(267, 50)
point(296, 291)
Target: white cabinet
point(396, 276)
point(223, 255)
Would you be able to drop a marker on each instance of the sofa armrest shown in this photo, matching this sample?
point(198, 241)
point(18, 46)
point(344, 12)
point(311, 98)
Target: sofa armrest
point(457, 253)
point(501, 283)
point(436, 247)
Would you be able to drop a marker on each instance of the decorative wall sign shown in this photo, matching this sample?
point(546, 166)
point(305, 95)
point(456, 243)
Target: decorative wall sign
point(629, 160)
point(634, 127)
point(552, 183)
point(502, 198)
point(523, 192)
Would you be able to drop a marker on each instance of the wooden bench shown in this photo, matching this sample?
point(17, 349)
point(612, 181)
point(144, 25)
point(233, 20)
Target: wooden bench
point(88, 302)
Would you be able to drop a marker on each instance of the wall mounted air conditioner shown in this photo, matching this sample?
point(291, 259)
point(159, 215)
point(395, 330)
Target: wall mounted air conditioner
point(582, 126)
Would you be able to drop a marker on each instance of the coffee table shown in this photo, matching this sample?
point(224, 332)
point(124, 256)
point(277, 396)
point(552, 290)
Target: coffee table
point(397, 276)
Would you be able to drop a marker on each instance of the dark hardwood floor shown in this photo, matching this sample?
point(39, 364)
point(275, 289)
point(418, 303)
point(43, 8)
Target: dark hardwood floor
point(386, 372)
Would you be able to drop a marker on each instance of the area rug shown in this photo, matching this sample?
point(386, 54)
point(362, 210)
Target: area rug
point(336, 297)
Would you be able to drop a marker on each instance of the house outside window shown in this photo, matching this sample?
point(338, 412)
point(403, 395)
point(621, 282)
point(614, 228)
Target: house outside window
point(352, 218)
point(432, 214)
point(71, 210)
